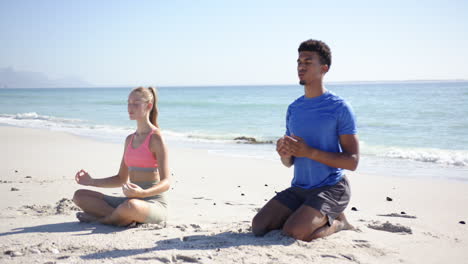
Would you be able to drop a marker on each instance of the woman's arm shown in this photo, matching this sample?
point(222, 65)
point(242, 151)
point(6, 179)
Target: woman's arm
point(83, 177)
point(158, 147)
point(113, 181)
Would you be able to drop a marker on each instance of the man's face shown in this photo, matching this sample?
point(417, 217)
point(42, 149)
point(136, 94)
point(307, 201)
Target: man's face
point(309, 68)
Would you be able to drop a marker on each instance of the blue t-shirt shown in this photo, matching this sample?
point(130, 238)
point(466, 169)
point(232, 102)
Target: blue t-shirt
point(319, 121)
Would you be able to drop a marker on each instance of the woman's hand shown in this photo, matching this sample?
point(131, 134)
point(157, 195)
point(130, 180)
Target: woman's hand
point(82, 177)
point(132, 190)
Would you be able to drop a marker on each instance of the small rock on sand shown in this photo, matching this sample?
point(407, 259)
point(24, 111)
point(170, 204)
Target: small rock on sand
point(13, 189)
point(462, 222)
point(389, 199)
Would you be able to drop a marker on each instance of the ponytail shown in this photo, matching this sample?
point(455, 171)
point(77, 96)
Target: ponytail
point(153, 117)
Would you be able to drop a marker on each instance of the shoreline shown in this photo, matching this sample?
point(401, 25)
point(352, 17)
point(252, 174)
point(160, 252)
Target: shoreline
point(425, 164)
point(212, 201)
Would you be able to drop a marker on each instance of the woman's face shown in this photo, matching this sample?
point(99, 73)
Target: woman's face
point(137, 106)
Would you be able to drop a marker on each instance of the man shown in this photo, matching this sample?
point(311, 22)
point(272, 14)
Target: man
point(321, 141)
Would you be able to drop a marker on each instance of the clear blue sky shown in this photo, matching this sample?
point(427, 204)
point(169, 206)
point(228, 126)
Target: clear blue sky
point(120, 43)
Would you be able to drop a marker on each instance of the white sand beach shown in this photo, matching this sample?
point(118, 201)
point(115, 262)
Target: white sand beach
point(212, 201)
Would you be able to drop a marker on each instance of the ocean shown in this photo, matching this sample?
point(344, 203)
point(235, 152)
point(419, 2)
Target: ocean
point(406, 129)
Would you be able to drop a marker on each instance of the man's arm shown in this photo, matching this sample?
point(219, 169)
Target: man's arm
point(348, 159)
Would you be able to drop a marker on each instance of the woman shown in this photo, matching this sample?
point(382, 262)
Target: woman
point(143, 176)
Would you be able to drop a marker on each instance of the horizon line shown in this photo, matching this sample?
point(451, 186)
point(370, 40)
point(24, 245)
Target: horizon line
point(234, 85)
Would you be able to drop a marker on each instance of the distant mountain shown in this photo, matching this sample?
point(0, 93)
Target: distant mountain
point(10, 78)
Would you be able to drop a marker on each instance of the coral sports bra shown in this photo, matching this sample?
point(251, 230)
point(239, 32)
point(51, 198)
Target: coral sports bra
point(141, 158)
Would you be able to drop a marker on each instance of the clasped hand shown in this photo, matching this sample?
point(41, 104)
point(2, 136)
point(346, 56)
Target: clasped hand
point(293, 145)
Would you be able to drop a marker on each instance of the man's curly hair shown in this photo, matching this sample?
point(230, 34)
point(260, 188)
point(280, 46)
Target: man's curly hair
point(318, 46)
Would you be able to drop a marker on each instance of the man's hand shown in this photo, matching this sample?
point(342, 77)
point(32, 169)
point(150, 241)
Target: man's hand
point(282, 148)
point(296, 146)
point(82, 177)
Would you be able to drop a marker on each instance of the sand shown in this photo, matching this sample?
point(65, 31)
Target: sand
point(212, 201)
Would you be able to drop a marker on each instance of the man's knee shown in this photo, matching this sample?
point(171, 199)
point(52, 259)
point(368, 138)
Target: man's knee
point(296, 232)
point(303, 230)
point(259, 225)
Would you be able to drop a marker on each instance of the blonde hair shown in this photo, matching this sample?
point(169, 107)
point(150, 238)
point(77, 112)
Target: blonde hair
point(151, 96)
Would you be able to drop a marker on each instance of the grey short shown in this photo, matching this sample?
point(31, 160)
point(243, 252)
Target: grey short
point(157, 204)
point(330, 200)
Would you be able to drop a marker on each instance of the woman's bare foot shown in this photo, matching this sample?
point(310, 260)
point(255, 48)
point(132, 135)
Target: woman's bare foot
point(85, 217)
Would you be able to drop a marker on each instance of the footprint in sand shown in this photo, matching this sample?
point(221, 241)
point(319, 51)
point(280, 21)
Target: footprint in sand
point(349, 256)
point(362, 243)
point(185, 258)
point(13, 253)
point(181, 227)
point(64, 206)
point(403, 215)
point(389, 227)
point(202, 198)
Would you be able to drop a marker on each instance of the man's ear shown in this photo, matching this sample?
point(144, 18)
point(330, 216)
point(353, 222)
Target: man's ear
point(325, 68)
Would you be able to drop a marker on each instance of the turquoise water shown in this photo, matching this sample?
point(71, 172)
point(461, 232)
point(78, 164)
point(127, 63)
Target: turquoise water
point(420, 122)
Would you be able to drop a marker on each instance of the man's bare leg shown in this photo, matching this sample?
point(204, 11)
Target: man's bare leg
point(340, 223)
point(304, 222)
point(272, 216)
